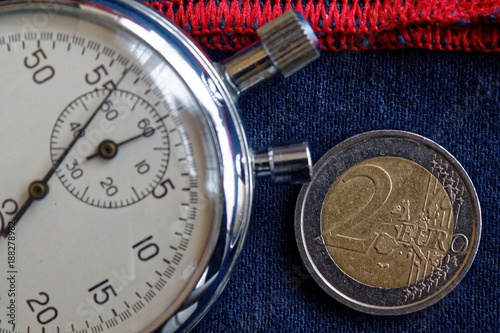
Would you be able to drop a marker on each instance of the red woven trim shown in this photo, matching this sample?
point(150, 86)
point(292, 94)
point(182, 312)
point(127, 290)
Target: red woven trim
point(346, 24)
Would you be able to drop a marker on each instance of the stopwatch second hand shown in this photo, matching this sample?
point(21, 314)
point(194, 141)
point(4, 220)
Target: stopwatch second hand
point(39, 189)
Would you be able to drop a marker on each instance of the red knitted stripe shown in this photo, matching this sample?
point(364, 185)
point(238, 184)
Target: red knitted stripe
point(346, 24)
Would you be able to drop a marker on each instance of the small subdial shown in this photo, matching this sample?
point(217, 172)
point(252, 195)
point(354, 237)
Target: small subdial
point(121, 156)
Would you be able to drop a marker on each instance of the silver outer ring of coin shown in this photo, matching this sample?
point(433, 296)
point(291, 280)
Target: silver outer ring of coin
point(359, 296)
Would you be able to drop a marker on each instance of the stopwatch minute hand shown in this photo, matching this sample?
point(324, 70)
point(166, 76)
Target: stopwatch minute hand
point(39, 189)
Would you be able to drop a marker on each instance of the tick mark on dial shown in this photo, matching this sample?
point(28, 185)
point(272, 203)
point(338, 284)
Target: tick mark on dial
point(135, 192)
point(135, 104)
point(84, 106)
point(85, 192)
point(163, 118)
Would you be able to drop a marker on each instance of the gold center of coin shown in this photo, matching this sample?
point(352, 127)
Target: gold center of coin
point(387, 222)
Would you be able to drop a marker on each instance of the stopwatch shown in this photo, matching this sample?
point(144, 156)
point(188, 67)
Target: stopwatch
point(127, 180)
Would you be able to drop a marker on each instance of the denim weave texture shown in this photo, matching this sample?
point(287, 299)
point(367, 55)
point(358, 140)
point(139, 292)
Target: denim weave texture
point(452, 98)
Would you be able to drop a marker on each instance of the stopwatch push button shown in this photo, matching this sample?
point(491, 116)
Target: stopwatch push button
point(285, 163)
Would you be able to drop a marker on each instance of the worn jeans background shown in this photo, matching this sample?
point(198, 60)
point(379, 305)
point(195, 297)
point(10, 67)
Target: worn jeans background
point(452, 98)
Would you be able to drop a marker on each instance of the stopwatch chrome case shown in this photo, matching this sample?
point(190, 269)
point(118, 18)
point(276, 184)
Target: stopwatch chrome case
point(146, 75)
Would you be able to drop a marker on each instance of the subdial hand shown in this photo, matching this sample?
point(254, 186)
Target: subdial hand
point(108, 149)
point(39, 189)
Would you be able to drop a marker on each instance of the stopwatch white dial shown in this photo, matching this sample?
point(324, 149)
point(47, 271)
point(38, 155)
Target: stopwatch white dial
point(74, 87)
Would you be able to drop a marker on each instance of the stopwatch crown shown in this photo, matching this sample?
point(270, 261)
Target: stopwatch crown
point(290, 42)
point(287, 44)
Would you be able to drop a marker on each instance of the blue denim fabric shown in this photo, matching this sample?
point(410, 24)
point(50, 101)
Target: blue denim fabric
point(452, 98)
